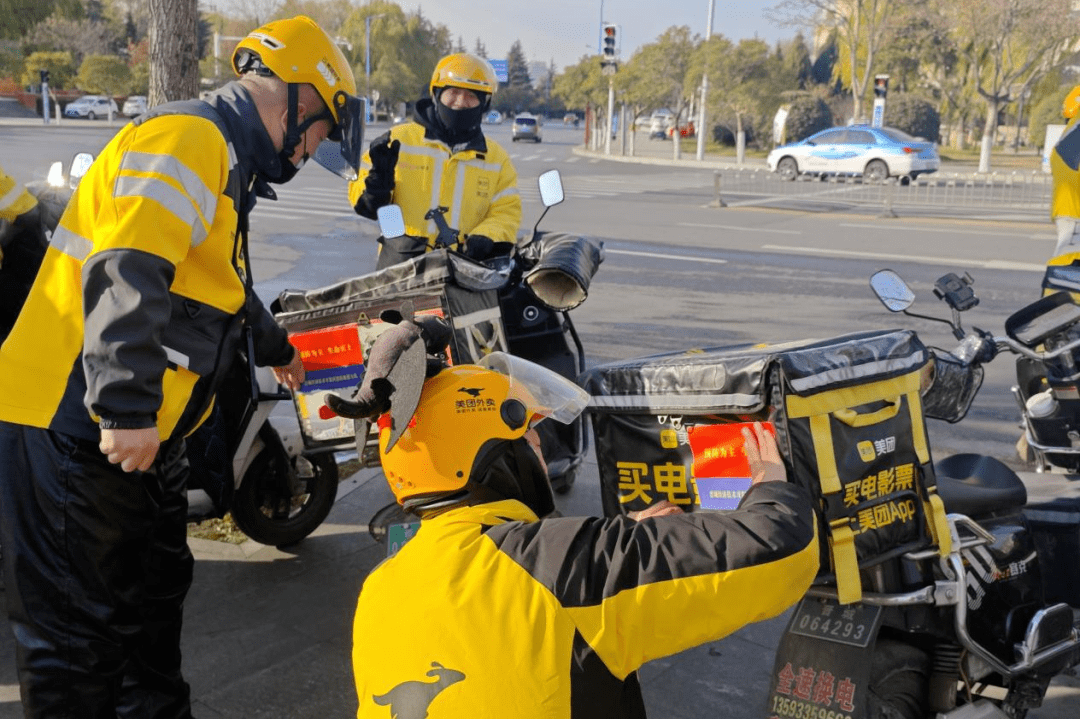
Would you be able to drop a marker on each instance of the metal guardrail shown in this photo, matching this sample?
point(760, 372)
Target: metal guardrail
point(1017, 192)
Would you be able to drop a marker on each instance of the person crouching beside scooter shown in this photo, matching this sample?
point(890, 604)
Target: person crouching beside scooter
point(491, 584)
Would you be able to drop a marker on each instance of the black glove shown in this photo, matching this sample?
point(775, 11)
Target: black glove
point(479, 248)
point(379, 182)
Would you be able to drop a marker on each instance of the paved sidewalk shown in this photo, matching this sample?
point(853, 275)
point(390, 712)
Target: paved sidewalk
point(268, 632)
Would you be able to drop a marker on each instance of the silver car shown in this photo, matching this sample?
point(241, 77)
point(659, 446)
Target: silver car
point(527, 127)
point(876, 153)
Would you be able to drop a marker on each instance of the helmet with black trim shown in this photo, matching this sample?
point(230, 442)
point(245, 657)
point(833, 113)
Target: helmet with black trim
point(298, 51)
point(467, 71)
point(467, 434)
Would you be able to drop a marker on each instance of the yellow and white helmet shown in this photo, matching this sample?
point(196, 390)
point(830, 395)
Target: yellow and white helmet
point(465, 412)
point(467, 71)
point(298, 51)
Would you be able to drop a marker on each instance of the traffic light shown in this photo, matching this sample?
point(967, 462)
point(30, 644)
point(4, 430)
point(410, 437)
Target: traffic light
point(881, 86)
point(609, 44)
point(44, 77)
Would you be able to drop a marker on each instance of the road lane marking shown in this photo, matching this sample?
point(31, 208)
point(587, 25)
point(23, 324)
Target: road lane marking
point(955, 231)
point(962, 262)
point(742, 229)
point(688, 258)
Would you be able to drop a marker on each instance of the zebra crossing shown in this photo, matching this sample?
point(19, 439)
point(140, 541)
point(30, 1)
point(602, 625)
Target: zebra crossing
point(316, 197)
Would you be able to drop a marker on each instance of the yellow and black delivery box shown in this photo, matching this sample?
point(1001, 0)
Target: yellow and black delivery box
point(853, 430)
point(847, 417)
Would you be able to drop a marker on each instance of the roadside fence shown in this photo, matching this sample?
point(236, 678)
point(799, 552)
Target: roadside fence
point(1016, 192)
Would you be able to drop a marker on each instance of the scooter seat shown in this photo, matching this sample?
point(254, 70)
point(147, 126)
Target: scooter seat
point(977, 486)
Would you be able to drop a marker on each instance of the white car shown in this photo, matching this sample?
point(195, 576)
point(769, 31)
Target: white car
point(91, 107)
point(135, 105)
point(527, 127)
point(876, 153)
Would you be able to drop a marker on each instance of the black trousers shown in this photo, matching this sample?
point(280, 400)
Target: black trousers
point(96, 568)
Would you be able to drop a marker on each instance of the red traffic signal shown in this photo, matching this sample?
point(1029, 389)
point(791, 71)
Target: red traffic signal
point(609, 42)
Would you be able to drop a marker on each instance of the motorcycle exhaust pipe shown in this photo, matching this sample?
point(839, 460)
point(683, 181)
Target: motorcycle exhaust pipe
point(980, 709)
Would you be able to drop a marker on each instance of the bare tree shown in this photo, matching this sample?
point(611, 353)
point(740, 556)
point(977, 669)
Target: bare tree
point(1010, 45)
point(863, 28)
point(79, 37)
point(174, 50)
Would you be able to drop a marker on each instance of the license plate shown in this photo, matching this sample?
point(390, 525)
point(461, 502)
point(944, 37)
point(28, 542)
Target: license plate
point(398, 534)
point(851, 624)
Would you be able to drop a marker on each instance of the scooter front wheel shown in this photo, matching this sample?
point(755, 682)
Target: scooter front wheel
point(271, 510)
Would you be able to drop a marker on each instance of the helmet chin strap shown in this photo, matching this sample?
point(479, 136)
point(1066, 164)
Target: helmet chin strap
point(294, 131)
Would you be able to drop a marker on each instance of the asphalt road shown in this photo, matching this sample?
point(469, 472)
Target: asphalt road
point(267, 631)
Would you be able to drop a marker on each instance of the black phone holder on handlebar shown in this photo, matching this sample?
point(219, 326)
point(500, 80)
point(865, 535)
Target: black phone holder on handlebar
point(448, 236)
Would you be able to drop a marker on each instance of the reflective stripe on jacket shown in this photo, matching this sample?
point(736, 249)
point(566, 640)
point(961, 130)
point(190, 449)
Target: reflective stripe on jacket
point(479, 188)
point(144, 265)
point(488, 612)
point(14, 199)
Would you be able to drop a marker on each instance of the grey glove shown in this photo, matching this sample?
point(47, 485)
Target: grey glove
point(373, 396)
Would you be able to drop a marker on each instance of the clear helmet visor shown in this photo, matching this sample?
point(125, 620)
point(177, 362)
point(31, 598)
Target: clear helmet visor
point(553, 395)
point(341, 151)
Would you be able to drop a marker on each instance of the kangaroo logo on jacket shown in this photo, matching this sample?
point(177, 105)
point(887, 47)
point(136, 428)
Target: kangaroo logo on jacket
point(411, 699)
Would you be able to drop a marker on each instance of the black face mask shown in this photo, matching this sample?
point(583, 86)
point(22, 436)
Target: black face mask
point(288, 169)
point(460, 124)
point(293, 134)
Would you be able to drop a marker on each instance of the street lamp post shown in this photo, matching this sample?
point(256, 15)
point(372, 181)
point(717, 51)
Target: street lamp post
point(367, 63)
point(704, 91)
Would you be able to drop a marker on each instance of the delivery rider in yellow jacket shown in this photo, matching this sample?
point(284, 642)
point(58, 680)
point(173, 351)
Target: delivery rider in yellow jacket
point(443, 159)
point(1065, 197)
point(22, 245)
point(136, 312)
point(493, 610)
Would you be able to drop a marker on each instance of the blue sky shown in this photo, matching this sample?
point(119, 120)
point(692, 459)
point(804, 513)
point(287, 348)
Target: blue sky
point(564, 30)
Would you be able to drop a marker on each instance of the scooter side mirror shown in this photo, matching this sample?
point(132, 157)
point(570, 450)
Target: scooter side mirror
point(551, 189)
point(55, 178)
point(391, 221)
point(80, 165)
point(891, 289)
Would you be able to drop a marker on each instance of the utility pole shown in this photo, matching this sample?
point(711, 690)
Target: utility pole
point(367, 66)
point(610, 114)
point(609, 65)
point(704, 91)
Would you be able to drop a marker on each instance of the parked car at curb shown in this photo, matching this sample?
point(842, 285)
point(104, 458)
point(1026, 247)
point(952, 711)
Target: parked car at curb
point(91, 107)
point(875, 153)
point(527, 127)
point(134, 106)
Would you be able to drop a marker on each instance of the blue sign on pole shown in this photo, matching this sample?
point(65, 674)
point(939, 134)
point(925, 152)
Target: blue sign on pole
point(499, 66)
